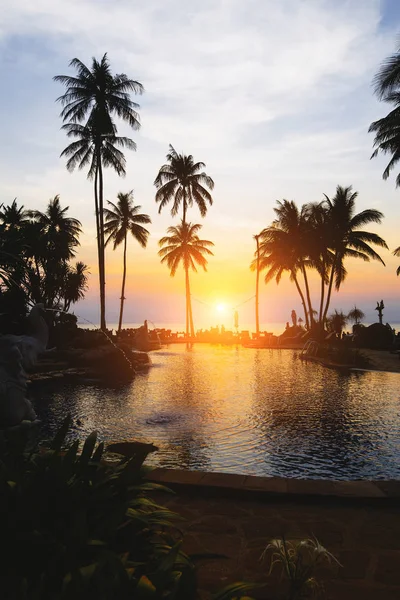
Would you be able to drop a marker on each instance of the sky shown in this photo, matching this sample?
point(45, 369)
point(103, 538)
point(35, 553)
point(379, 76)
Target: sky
point(274, 96)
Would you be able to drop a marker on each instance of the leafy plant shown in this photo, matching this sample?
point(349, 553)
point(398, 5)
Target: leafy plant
point(299, 561)
point(74, 526)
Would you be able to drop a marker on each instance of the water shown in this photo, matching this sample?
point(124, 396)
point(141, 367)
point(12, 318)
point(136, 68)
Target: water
point(240, 410)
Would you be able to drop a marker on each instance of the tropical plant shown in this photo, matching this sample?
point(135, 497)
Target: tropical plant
point(75, 285)
point(125, 218)
point(257, 269)
point(282, 248)
point(79, 527)
point(93, 97)
point(337, 322)
point(182, 182)
point(387, 129)
point(298, 561)
point(356, 315)
point(346, 239)
point(396, 252)
point(183, 245)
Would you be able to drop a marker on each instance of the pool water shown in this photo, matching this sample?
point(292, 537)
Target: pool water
point(240, 410)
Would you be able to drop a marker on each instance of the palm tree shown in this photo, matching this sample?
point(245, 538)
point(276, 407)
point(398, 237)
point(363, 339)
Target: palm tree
point(387, 129)
point(182, 181)
point(122, 219)
point(356, 315)
point(183, 245)
point(337, 322)
point(397, 253)
point(54, 238)
point(14, 215)
point(346, 240)
point(277, 255)
point(75, 284)
point(94, 96)
point(257, 238)
point(60, 233)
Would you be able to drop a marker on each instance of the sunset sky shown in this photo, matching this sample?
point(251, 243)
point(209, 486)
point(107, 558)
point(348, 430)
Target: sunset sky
point(274, 96)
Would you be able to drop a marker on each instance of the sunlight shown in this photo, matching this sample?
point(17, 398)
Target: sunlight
point(221, 307)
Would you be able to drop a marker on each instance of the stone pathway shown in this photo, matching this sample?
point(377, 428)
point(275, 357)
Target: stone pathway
point(362, 532)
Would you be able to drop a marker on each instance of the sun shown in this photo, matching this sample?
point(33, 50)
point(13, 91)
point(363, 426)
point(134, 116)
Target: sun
point(220, 307)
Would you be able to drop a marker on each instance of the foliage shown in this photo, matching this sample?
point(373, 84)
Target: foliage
point(183, 245)
point(35, 253)
point(387, 129)
point(319, 237)
point(337, 322)
point(356, 315)
point(76, 527)
point(124, 218)
point(92, 98)
point(298, 561)
point(181, 181)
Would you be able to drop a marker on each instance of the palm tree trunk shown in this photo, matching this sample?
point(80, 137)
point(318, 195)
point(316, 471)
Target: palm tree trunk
point(321, 304)
point(121, 312)
point(192, 334)
point(187, 300)
point(310, 308)
point(101, 243)
point(302, 300)
point(257, 288)
point(328, 298)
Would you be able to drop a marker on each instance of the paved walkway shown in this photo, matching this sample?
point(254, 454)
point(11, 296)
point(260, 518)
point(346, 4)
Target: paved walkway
point(359, 522)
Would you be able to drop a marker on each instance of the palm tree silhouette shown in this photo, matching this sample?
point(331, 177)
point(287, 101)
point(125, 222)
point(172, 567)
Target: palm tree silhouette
point(93, 96)
point(356, 315)
point(125, 218)
point(181, 181)
point(183, 245)
point(396, 252)
point(283, 247)
point(346, 240)
point(13, 215)
point(75, 285)
point(387, 129)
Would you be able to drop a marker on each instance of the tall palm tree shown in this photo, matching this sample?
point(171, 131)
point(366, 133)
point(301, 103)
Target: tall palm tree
point(294, 222)
point(278, 255)
point(125, 218)
point(346, 239)
point(257, 261)
point(183, 245)
point(182, 181)
point(387, 129)
point(93, 97)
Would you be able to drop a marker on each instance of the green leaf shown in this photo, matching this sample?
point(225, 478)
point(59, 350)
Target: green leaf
point(98, 453)
point(234, 590)
point(61, 434)
point(145, 588)
point(88, 448)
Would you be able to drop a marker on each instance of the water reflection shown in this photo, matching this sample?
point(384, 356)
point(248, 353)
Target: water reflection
point(243, 410)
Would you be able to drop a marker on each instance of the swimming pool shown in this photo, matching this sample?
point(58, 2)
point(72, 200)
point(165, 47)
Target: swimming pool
point(240, 410)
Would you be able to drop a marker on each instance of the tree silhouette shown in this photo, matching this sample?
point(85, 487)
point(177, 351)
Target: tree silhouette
point(387, 129)
point(93, 97)
point(125, 218)
point(182, 182)
point(183, 245)
point(356, 315)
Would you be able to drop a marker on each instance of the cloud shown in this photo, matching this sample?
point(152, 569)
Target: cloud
point(273, 95)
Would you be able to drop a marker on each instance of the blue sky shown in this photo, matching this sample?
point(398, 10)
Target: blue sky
point(274, 96)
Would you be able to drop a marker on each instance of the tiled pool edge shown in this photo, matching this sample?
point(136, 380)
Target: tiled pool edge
point(263, 488)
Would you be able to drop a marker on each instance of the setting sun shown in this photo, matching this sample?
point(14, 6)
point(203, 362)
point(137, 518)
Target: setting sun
point(221, 307)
